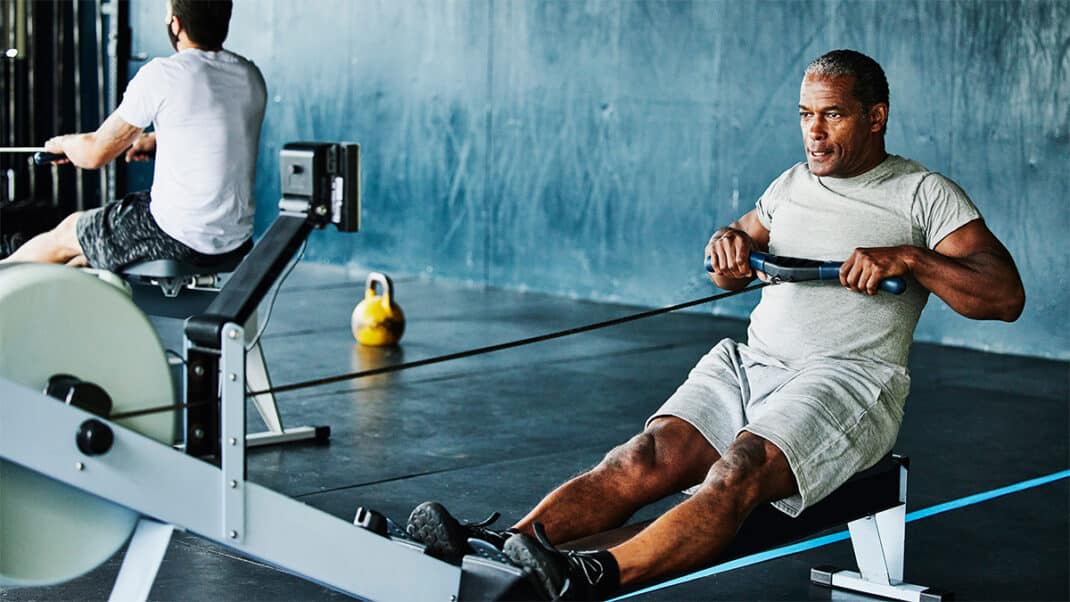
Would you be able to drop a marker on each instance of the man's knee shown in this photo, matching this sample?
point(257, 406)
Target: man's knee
point(753, 470)
point(69, 226)
point(65, 234)
point(669, 451)
point(638, 456)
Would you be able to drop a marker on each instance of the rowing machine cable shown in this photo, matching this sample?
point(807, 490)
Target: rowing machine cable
point(274, 296)
point(453, 356)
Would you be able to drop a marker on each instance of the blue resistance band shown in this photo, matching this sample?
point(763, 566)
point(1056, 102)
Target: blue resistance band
point(824, 540)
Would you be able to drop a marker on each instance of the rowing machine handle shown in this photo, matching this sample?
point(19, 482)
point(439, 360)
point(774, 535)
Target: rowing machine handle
point(791, 269)
point(43, 158)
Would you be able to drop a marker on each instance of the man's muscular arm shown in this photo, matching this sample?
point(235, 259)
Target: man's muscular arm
point(729, 251)
point(969, 269)
point(95, 149)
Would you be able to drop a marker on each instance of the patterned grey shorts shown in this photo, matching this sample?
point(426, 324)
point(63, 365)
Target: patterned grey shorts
point(831, 418)
point(121, 233)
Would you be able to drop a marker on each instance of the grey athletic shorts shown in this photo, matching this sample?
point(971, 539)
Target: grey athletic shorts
point(831, 418)
point(121, 233)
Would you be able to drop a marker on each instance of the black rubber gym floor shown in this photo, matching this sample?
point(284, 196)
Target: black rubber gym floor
point(495, 432)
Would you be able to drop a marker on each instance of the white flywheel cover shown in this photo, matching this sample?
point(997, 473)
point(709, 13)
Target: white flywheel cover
point(57, 320)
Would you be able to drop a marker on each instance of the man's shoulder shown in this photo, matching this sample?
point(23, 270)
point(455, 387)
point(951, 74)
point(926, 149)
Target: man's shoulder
point(894, 175)
point(189, 65)
point(165, 68)
point(152, 77)
point(231, 56)
point(921, 178)
point(793, 176)
point(194, 59)
point(156, 65)
point(902, 166)
point(799, 170)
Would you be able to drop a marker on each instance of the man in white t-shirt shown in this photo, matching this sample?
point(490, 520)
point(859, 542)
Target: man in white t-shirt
point(206, 105)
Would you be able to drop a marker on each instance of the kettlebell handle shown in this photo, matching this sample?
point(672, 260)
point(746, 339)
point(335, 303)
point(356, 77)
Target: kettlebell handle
point(382, 280)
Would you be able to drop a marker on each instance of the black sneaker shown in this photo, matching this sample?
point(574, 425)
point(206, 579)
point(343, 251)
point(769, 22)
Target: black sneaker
point(560, 575)
point(446, 537)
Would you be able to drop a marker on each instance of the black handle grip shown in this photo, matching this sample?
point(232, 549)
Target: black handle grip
point(43, 158)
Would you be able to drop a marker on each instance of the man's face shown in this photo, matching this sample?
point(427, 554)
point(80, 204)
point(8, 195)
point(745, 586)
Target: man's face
point(840, 139)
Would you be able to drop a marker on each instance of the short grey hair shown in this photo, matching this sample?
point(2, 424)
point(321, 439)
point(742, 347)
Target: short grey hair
point(871, 87)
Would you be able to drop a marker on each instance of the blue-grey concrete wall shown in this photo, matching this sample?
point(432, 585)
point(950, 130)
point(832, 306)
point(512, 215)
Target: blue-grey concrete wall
point(589, 148)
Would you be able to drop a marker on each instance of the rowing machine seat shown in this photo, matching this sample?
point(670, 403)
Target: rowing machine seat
point(172, 275)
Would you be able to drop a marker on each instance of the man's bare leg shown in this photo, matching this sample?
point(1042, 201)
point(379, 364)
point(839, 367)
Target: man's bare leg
point(58, 245)
point(753, 471)
point(669, 456)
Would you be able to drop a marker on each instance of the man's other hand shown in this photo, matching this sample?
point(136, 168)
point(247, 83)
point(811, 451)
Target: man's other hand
point(865, 268)
point(143, 149)
point(729, 252)
point(54, 145)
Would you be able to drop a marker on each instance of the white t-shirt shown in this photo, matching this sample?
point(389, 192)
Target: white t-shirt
point(207, 108)
point(898, 202)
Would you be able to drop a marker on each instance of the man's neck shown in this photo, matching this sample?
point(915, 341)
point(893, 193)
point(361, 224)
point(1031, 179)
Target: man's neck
point(185, 43)
point(875, 158)
point(878, 157)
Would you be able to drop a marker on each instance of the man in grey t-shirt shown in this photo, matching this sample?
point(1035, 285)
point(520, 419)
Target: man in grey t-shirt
point(817, 393)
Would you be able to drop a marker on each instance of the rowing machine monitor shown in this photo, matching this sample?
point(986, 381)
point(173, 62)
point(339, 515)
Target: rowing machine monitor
point(321, 180)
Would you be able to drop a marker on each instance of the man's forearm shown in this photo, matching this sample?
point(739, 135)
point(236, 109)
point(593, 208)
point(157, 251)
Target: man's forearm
point(984, 285)
point(96, 149)
point(84, 150)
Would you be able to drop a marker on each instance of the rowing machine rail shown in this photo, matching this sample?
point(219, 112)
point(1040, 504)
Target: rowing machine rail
point(156, 480)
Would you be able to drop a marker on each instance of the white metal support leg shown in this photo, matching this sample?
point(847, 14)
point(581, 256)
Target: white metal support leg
point(257, 378)
point(142, 561)
point(878, 541)
point(879, 552)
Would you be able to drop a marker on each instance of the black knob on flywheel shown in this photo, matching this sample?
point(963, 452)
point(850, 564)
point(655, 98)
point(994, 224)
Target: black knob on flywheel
point(94, 437)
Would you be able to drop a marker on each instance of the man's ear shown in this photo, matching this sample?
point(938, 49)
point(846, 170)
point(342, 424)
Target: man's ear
point(878, 117)
point(176, 25)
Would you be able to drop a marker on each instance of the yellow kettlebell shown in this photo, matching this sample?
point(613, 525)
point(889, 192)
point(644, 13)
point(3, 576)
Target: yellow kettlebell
point(377, 320)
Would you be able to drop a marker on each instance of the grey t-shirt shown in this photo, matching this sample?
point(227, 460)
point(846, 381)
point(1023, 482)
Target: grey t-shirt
point(898, 202)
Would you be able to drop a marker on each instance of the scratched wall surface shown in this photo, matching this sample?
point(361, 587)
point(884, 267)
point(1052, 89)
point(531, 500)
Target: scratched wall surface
point(589, 148)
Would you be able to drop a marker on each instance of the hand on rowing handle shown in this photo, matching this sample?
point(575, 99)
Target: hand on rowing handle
point(726, 254)
point(864, 270)
point(44, 158)
point(53, 151)
point(759, 273)
point(894, 285)
point(143, 149)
